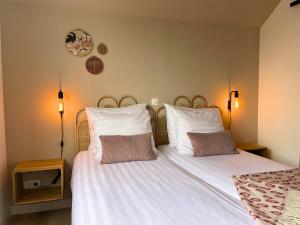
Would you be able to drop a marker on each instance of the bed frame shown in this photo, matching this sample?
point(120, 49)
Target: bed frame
point(158, 118)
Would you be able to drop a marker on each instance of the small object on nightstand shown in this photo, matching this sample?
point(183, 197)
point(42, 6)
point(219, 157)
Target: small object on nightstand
point(254, 148)
point(40, 194)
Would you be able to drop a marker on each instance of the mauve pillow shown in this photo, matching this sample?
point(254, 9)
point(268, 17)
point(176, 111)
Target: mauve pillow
point(119, 148)
point(216, 143)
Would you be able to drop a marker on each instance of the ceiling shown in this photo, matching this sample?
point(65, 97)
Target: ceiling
point(246, 13)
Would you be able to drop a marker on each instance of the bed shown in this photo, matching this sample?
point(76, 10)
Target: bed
point(217, 171)
point(146, 193)
point(152, 192)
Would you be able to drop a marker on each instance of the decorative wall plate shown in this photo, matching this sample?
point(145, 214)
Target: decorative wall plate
point(79, 42)
point(102, 49)
point(94, 65)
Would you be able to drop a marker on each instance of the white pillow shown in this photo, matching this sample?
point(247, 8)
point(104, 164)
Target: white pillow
point(206, 120)
point(171, 121)
point(92, 112)
point(171, 124)
point(106, 123)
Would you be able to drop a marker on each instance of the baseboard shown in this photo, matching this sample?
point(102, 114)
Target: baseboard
point(5, 221)
point(39, 207)
point(4, 217)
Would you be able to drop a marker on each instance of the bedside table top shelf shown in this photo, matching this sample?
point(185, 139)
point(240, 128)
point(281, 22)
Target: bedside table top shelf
point(39, 165)
point(250, 146)
point(254, 148)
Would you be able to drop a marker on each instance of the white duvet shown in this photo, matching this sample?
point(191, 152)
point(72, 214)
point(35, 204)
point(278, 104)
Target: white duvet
point(146, 193)
point(217, 170)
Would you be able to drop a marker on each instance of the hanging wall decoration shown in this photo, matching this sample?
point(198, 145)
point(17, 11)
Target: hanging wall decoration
point(102, 49)
point(94, 65)
point(79, 42)
point(294, 3)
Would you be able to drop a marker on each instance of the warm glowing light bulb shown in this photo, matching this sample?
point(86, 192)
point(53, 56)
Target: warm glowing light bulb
point(60, 102)
point(236, 104)
point(60, 105)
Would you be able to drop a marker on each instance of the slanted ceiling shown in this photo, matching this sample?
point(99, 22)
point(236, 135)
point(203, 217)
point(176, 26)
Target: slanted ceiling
point(245, 13)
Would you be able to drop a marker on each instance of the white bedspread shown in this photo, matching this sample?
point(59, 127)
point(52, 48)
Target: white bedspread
point(217, 170)
point(146, 193)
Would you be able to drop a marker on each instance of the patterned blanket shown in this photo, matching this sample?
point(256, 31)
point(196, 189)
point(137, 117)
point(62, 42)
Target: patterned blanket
point(271, 197)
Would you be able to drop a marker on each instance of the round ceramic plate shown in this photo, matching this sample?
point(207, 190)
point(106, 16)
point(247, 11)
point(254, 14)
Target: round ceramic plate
point(102, 49)
point(94, 65)
point(79, 42)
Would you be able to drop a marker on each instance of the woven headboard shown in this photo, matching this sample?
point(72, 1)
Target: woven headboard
point(82, 128)
point(196, 102)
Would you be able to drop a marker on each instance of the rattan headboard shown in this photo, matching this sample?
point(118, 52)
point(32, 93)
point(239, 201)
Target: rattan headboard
point(82, 129)
point(196, 102)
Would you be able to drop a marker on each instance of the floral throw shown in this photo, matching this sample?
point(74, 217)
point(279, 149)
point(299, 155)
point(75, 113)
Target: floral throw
point(271, 197)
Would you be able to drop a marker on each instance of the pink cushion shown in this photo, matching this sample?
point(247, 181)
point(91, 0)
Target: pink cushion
point(217, 143)
point(117, 148)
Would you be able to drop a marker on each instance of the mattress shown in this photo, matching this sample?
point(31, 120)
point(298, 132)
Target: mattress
point(217, 170)
point(152, 192)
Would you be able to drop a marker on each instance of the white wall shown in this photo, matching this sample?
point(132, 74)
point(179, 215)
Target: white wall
point(279, 84)
point(4, 202)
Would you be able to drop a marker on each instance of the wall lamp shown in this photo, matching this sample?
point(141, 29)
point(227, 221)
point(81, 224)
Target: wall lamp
point(61, 112)
point(236, 104)
point(61, 102)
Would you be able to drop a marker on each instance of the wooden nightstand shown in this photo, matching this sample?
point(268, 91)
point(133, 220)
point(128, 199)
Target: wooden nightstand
point(254, 148)
point(42, 194)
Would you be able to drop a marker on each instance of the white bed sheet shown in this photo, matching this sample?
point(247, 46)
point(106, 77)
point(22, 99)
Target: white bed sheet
point(217, 170)
point(147, 193)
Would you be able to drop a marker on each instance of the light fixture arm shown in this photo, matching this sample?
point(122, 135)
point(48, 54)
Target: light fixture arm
point(62, 135)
